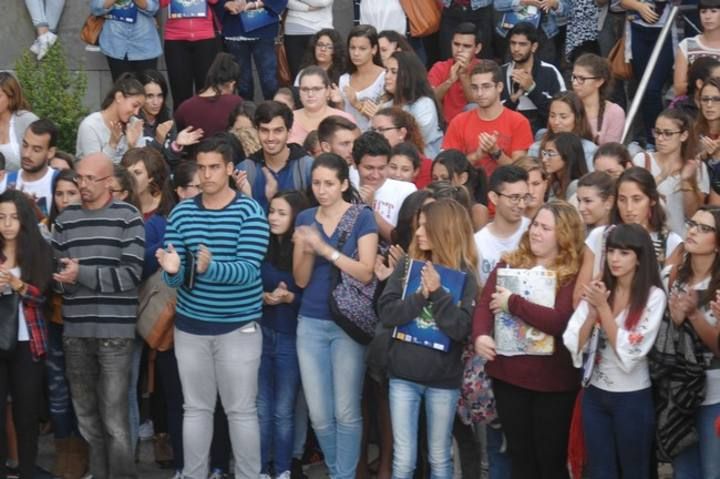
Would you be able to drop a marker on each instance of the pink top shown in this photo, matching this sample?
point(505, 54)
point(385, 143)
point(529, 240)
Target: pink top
point(190, 29)
point(298, 133)
point(612, 124)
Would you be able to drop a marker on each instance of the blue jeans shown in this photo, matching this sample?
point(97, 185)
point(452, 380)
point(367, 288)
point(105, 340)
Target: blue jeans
point(263, 52)
point(701, 461)
point(61, 410)
point(498, 459)
point(332, 367)
point(619, 429)
point(133, 406)
point(643, 42)
point(440, 406)
point(98, 371)
point(45, 13)
point(278, 385)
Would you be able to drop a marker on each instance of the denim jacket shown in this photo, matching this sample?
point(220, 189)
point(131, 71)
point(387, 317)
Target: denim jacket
point(137, 41)
point(548, 23)
point(474, 4)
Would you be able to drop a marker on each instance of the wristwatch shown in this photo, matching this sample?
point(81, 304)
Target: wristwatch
point(335, 256)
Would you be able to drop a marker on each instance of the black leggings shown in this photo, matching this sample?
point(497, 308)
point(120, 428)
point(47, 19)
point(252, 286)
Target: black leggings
point(187, 66)
point(22, 379)
point(536, 425)
point(118, 67)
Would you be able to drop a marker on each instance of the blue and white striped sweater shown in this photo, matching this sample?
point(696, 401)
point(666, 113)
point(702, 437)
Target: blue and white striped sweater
point(229, 293)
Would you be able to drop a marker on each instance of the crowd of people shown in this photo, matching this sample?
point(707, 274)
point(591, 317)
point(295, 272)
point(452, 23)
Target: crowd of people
point(253, 270)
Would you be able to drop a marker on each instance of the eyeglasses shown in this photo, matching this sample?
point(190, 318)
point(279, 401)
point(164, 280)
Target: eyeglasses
point(79, 179)
point(383, 129)
point(708, 100)
point(579, 79)
point(549, 153)
point(324, 46)
point(515, 199)
point(702, 228)
point(315, 90)
point(665, 133)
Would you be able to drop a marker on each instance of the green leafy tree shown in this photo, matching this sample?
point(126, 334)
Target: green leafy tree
point(54, 92)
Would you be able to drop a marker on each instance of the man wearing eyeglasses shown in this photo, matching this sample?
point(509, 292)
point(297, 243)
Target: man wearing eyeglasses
point(509, 193)
point(278, 165)
point(530, 83)
point(100, 246)
point(491, 134)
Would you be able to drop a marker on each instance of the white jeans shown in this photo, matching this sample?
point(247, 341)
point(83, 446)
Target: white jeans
point(228, 364)
point(45, 13)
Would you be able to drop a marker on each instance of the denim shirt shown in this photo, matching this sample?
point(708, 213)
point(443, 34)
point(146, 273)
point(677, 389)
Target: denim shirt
point(549, 22)
point(137, 41)
point(474, 4)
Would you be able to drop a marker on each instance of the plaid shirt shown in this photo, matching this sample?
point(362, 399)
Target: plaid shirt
point(32, 301)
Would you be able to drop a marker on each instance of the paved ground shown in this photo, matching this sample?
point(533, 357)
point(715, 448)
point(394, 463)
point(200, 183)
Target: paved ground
point(147, 469)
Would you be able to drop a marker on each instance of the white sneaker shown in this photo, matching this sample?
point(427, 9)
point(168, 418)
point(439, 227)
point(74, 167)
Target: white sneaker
point(146, 431)
point(35, 47)
point(47, 40)
point(284, 475)
point(218, 474)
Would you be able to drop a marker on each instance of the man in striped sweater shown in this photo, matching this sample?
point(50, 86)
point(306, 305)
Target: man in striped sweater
point(214, 245)
point(100, 246)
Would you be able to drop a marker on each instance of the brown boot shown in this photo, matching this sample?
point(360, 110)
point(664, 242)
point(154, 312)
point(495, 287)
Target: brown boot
point(62, 451)
point(77, 463)
point(163, 450)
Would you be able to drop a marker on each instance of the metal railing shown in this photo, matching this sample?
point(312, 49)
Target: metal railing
point(642, 86)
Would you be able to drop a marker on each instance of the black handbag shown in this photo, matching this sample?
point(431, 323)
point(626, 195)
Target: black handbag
point(9, 304)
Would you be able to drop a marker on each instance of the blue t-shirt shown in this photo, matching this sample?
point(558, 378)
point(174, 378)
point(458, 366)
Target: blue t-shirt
point(315, 296)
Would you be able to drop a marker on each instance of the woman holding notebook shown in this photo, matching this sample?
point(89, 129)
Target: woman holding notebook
point(534, 381)
point(428, 301)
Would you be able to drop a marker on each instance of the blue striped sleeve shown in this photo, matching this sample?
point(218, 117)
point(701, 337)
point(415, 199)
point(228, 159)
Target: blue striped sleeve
point(250, 250)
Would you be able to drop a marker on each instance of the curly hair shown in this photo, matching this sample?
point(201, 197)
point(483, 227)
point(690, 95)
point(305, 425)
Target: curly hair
point(570, 237)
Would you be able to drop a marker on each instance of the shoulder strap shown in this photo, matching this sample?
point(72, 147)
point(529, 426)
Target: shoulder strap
point(12, 179)
point(347, 223)
point(648, 166)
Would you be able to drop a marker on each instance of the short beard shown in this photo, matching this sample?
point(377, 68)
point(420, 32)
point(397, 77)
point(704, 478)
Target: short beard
point(36, 169)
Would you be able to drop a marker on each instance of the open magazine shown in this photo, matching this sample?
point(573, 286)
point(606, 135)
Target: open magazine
point(422, 330)
point(513, 336)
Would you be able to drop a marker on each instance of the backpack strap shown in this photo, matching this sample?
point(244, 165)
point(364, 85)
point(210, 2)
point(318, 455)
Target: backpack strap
point(12, 179)
point(347, 223)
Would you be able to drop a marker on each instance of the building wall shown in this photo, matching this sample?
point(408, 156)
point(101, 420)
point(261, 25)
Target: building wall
point(17, 34)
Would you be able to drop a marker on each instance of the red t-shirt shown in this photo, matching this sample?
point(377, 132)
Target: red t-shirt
point(454, 101)
point(424, 176)
point(513, 129)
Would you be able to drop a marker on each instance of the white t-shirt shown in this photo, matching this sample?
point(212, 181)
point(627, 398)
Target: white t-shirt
point(670, 189)
point(3, 183)
point(490, 248)
point(354, 177)
point(594, 242)
point(374, 92)
point(41, 189)
point(623, 368)
point(389, 198)
point(383, 15)
point(712, 376)
point(23, 334)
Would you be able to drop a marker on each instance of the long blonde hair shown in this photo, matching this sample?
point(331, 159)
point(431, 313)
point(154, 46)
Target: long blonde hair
point(570, 236)
point(450, 231)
